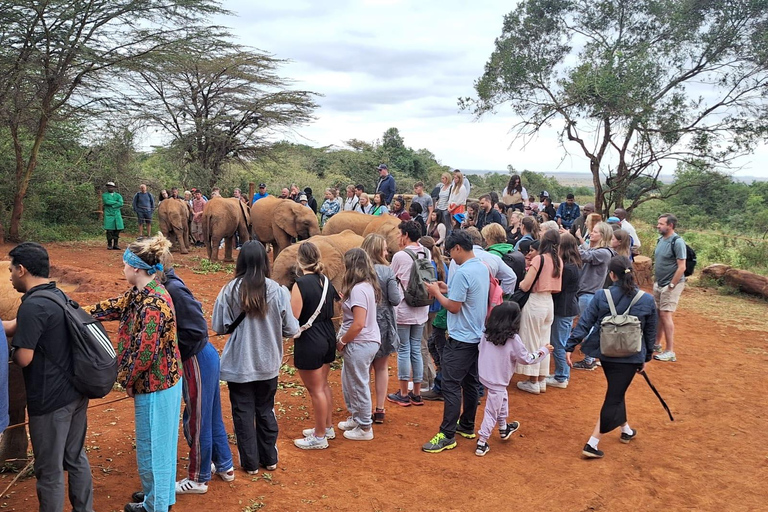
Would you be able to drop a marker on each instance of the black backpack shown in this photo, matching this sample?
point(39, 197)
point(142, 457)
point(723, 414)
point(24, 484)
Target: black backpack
point(93, 357)
point(690, 257)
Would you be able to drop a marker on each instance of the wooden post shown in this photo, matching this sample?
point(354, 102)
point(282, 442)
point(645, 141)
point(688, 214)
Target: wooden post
point(251, 191)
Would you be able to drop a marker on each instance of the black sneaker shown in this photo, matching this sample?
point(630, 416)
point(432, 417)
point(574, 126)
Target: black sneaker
point(482, 449)
point(431, 396)
point(439, 443)
point(591, 453)
point(466, 434)
point(397, 398)
point(510, 429)
point(584, 365)
point(415, 399)
point(626, 438)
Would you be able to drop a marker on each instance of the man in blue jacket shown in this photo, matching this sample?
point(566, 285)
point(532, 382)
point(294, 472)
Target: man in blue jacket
point(143, 205)
point(567, 212)
point(385, 185)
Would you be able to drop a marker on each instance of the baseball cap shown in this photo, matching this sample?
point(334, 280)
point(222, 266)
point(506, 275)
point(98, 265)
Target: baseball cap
point(383, 166)
point(544, 193)
point(614, 220)
point(459, 217)
point(111, 184)
point(262, 185)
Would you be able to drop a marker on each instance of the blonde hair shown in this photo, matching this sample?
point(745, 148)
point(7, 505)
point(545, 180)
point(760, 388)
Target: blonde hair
point(447, 176)
point(606, 233)
point(331, 191)
point(367, 198)
point(624, 241)
point(494, 234)
point(592, 219)
point(154, 250)
point(308, 256)
point(374, 245)
point(359, 269)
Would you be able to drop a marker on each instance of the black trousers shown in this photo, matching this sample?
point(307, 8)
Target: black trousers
point(458, 366)
point(253, 414)
point(614, 411)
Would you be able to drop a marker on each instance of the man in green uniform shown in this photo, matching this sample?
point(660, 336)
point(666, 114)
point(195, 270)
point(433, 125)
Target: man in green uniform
point(113, 219)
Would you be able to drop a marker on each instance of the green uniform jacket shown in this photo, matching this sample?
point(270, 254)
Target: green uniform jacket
point(113, 219)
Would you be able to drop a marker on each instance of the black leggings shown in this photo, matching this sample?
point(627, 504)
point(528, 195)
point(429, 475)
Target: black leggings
point(614, 411)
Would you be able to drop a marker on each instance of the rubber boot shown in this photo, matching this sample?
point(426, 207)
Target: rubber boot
point(109, 239)
point(117, 237)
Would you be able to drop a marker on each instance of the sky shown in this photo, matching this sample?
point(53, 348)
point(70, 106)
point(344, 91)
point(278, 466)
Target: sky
point(405, 63)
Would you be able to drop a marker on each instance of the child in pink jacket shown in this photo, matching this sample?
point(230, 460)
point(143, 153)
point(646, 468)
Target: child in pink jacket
point(500, 350)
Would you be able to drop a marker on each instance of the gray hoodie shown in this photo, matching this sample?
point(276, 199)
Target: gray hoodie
point(254, 351)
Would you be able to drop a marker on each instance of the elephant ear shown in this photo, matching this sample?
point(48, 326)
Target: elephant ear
point(285, 217)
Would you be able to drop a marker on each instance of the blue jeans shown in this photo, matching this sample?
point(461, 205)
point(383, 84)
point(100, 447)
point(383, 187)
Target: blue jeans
point(561, 329)
point(409, 352)
point(584, 301)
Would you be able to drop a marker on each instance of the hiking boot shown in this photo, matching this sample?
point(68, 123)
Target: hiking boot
point(482, 449)
point(432, 396)
point(311, 442)
point(528, 386)
point(415, 399)
point(358, 434)
point(349, 424)
point(187, 486)
point(584, 365)
point(506, 432)
point(136, 507)
point(397, 398)
point(626, 438)
point(666, 356)
point(592, 453)
point(378, 416)
point(227, 475)
point(137, 497)
point(329, 432)
point(554, 383)
point(439, 443)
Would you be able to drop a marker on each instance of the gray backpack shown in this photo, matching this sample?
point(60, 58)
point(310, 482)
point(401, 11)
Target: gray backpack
point(621, 335)
point(422, 272)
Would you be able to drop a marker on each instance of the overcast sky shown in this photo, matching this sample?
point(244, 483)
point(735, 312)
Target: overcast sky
point(403, 63)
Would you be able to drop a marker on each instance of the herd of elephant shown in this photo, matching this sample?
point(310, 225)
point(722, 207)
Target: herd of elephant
point(276, 221)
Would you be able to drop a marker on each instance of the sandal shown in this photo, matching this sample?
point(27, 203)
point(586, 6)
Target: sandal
point(378, 416)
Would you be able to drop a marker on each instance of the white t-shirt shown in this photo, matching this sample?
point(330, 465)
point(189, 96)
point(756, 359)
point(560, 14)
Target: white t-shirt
point(362, 295)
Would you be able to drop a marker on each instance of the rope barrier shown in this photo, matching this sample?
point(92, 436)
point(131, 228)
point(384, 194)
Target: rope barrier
point(89, 407)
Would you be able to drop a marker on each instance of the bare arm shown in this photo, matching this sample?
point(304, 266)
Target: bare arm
point(9, 326)
point(358, 322)
point(297, 303)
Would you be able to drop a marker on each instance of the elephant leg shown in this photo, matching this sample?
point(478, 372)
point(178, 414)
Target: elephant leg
point(228, 243)
point(213, 247)
point(282, 240)
point(183, 237)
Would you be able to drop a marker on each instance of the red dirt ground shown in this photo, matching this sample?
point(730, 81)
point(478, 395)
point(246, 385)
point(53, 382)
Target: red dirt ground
point(712, 457)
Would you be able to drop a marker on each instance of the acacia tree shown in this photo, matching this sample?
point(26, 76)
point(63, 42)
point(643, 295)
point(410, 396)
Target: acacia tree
point(218, 102)
point(56, 58)
point(633, 84)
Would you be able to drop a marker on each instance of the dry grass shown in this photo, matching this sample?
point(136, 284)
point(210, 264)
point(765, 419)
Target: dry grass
point(738, 311)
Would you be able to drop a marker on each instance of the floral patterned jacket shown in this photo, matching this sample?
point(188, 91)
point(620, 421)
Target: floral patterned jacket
point(148, 355)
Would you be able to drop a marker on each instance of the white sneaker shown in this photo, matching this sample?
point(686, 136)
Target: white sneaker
point(311, 442)
point(542, 386)
point(187, 486)
point(329, 432)
point(554, 383)
point(528, 387)
point(666, 356)
point(227, 476)
point(349, 424)
point(358, 434)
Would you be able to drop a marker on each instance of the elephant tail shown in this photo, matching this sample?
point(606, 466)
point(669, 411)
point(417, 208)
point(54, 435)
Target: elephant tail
point(207, 230)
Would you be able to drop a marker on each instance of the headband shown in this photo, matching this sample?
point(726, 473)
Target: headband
point(133, 260)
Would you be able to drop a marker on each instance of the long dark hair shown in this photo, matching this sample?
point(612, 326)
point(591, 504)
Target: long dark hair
point(359, 269)
point(622, 269)
point(569, 249)
point(511, 184)
point(503, 323)
point(549, 243)
point(531, 226)
point(252, 269)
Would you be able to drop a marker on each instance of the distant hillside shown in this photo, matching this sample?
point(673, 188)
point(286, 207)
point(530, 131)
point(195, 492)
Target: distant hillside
point(568, 179)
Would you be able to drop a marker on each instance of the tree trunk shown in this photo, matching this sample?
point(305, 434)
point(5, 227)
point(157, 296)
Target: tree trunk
point(594, 168)
point(23, 174)
point(742, 280)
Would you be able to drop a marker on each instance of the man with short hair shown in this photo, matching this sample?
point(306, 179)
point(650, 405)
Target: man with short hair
point(198, 205)
point(548, 209)
point(467, 305)
point(669, 269)
point(261, 194)
point(113, 218)
point(311, 201)
point(57, 411)
point(487, 214)
point(284, 193)
point(579, 225)
point(386, 184)
point(143, 205)
point(567, 212)
point(215, 192)
point(359, 190)
point(500, 270)
point(427, 205)
point(175, 193)
point(621, 213)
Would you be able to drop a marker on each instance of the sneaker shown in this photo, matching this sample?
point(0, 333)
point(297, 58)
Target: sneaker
point(482, 449)
point(584, 365)
point(358, 434)
point(432, 396)
point(528, 386)
point(466, 434)
point(542, 386)
point(657, 348)
point(311, 442)
point(187, 486)
point(554, 383)
point(397, 398)
point(270, 467)
point(349, 424)
point(329, 432)
point(439, 443)
point(506, 432)
point(626, 438)
point(227, 475)
point(378, 416)
point(592, 453)
point(666, 356)
point(415, 399)
point(252, 471)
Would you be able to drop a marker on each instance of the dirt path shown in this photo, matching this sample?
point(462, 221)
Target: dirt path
point(713, 457)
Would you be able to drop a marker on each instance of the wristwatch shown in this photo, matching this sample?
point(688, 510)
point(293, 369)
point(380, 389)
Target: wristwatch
point(671, 286)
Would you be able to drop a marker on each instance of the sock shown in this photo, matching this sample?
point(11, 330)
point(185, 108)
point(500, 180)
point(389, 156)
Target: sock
point(482, 440)
point(626, 430)
point(319, 438)
point(593, 442)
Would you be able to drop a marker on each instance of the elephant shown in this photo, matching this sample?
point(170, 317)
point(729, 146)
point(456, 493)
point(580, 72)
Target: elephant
point(332, 249)
point(355, 221)
point(276, 221)
point(387, 226)
point(174, 222)
point(14, 444)
point(222, 218)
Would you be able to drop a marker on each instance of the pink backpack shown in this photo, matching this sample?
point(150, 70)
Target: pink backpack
point(495, 293)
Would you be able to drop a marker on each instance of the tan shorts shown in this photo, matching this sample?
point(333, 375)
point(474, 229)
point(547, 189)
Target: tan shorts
point(666, 299)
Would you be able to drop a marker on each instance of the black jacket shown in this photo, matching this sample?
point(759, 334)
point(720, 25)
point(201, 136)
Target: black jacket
point(191, 326)
point(566, 302)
